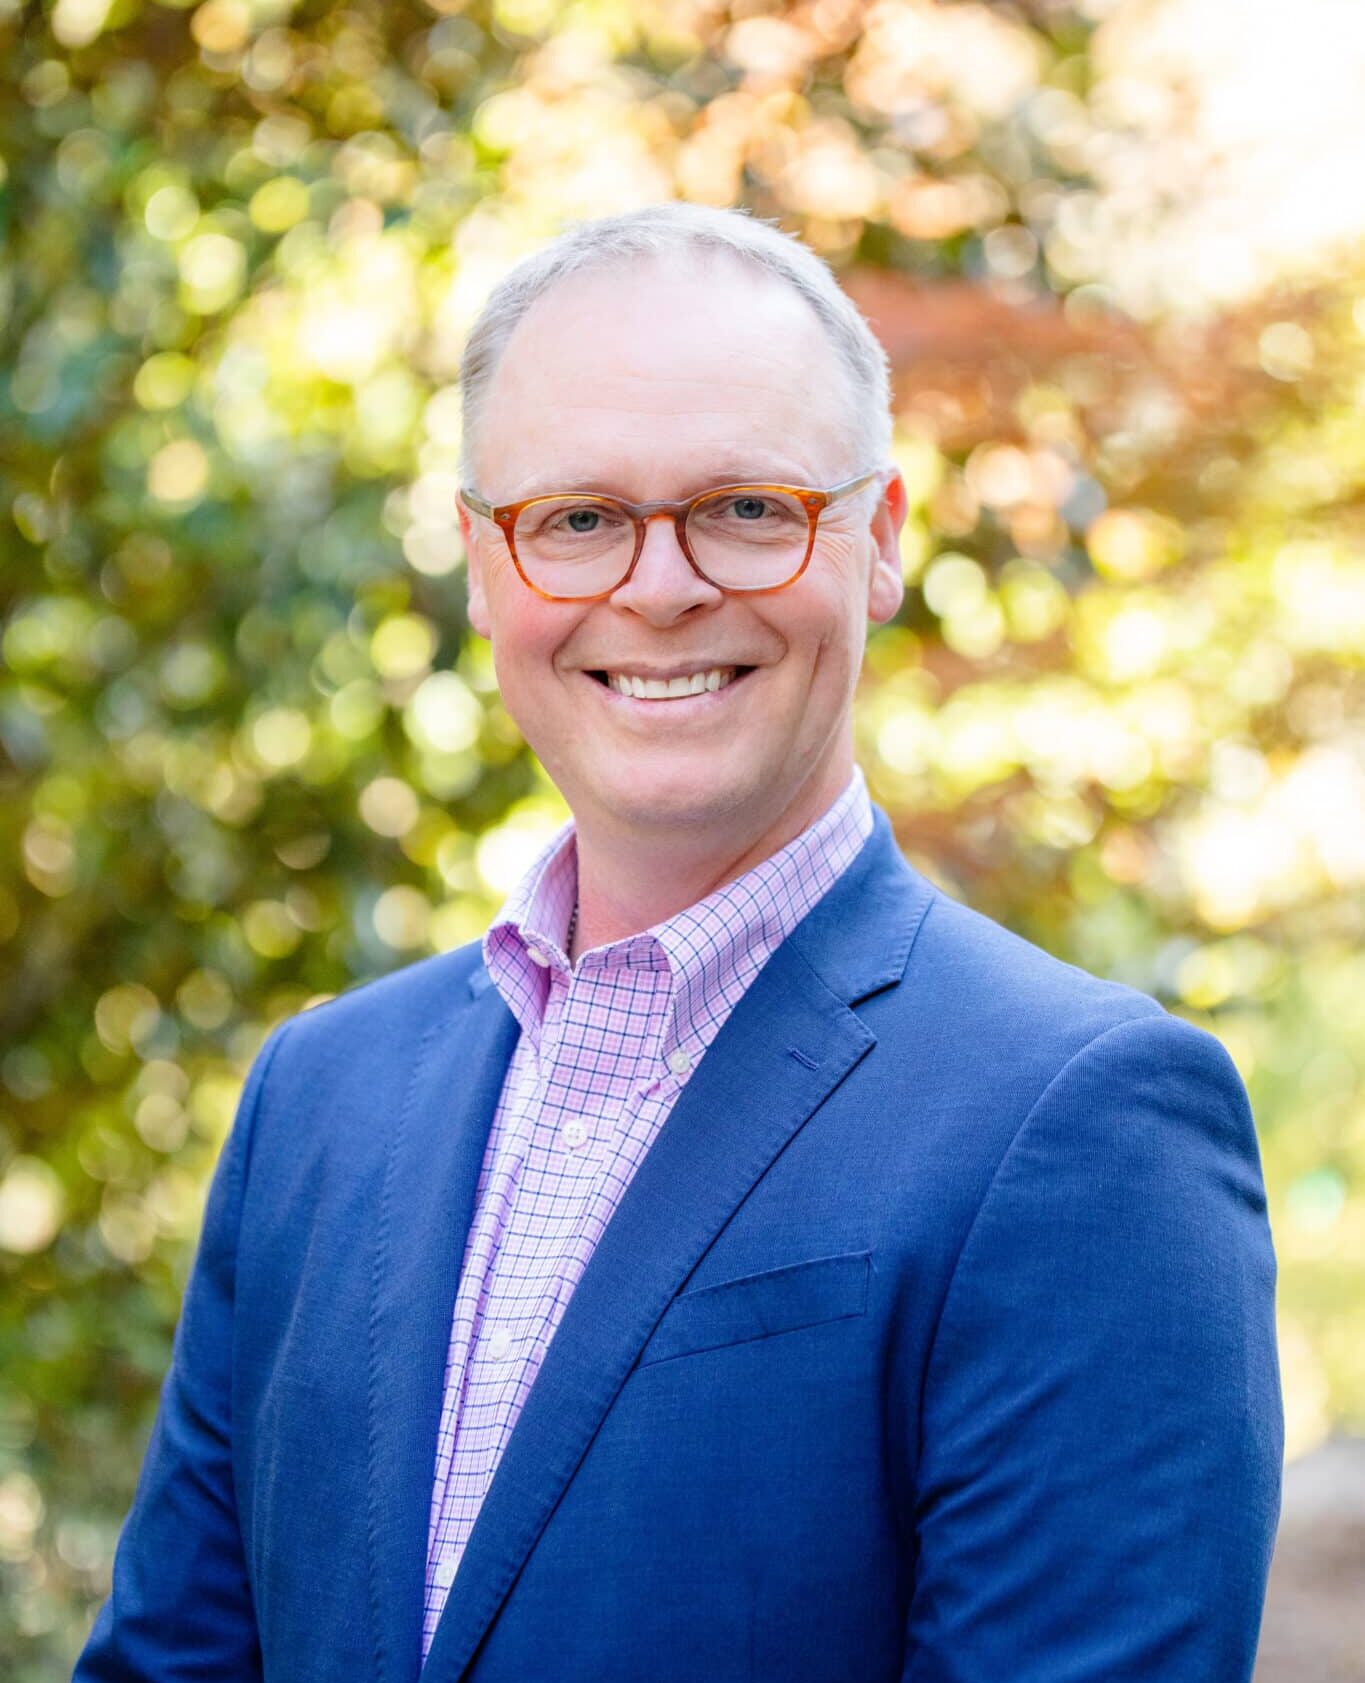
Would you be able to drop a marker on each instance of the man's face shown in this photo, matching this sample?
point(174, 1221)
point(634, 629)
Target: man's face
point(653, 382)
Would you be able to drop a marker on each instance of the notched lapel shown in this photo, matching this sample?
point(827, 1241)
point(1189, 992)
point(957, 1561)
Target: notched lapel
point(435, 1152)
point(745, 1100)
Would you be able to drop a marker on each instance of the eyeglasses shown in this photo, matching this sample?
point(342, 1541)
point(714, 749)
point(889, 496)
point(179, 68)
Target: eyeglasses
point(579, 547)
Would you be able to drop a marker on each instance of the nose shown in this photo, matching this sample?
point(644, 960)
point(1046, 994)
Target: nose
point(664, 584)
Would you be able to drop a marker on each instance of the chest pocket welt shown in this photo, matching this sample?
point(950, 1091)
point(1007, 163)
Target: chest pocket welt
point(803, 1294)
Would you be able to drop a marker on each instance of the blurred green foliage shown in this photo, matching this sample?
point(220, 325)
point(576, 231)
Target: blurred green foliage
point(250, 753)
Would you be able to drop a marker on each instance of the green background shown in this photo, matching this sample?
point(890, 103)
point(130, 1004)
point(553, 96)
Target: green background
point(250, 752)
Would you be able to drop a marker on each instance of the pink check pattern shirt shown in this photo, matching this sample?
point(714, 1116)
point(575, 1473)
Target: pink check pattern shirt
point(606, 1046)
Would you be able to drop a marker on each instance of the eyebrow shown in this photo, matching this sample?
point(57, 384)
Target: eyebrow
point(726, 472)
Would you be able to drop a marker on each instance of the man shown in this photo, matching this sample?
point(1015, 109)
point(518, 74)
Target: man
point(747, 1262)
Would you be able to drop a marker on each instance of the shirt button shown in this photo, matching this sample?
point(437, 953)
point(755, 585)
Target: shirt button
point(500, 1344)
point(679, 1062)
point(444, 1574)
point(536, 956)
point(574, 1132)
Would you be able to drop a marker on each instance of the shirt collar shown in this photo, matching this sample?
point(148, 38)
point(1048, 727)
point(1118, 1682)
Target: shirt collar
point(712, 949)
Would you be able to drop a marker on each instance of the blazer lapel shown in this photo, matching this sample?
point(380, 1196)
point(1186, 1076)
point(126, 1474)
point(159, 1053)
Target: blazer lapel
point(435, 1152)
point(792, 1039)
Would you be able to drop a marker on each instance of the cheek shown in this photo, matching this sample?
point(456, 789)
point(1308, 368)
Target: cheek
point(527, 635)
point(526, 629)
point(829, 612)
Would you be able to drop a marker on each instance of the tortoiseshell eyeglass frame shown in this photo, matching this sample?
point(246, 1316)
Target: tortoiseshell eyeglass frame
point(815, 502)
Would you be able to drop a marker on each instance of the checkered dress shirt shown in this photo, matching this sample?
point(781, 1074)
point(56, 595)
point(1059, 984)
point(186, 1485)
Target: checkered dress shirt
point(605, 1048)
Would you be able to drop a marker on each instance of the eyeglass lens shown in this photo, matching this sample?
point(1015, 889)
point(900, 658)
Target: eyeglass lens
point(741, 539)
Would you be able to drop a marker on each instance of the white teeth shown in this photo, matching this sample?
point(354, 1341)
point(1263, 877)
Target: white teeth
point(665, 689)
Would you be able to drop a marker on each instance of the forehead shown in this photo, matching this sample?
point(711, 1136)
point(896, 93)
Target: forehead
point(698, 365)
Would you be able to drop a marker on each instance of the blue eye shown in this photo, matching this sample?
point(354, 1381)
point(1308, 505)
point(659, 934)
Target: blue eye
point(749, 508)
point(583, 519)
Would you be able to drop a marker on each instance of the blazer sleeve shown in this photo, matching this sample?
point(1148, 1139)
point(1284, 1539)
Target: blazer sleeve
point(180, 1604)
point(1102, 1435)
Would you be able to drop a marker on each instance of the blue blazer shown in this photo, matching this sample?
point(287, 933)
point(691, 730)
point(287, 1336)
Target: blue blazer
point(932, 1342)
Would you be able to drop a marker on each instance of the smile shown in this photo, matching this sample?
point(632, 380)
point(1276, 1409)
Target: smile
point(641, 688)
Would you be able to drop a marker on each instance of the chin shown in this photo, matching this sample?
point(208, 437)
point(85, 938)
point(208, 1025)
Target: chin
point(647, 801)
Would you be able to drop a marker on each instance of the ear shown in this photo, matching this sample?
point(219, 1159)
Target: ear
point(478, 598)
point(886, 582)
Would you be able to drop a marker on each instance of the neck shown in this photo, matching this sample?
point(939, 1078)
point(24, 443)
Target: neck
point(628, 882)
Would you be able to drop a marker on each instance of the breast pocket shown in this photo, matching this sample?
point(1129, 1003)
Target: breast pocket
point(803, 1294)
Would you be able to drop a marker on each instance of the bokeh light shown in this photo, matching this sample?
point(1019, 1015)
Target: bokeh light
point(251, 752)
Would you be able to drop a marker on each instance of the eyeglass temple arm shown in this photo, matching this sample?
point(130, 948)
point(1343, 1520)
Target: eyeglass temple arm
point(472, 500)
point(851, 485)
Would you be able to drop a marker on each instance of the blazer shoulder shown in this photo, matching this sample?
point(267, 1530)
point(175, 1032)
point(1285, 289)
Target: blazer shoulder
point(389, 1010)
point(324, 1082)
point(998, 1008)
point(891, 940)
point(979, 952)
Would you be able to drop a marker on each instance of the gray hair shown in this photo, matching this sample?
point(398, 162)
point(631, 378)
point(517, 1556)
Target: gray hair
point(666, 230)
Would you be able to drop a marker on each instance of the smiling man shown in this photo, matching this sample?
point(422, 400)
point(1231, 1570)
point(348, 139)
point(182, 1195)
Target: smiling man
point(746, 1262)
point(675, 380)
